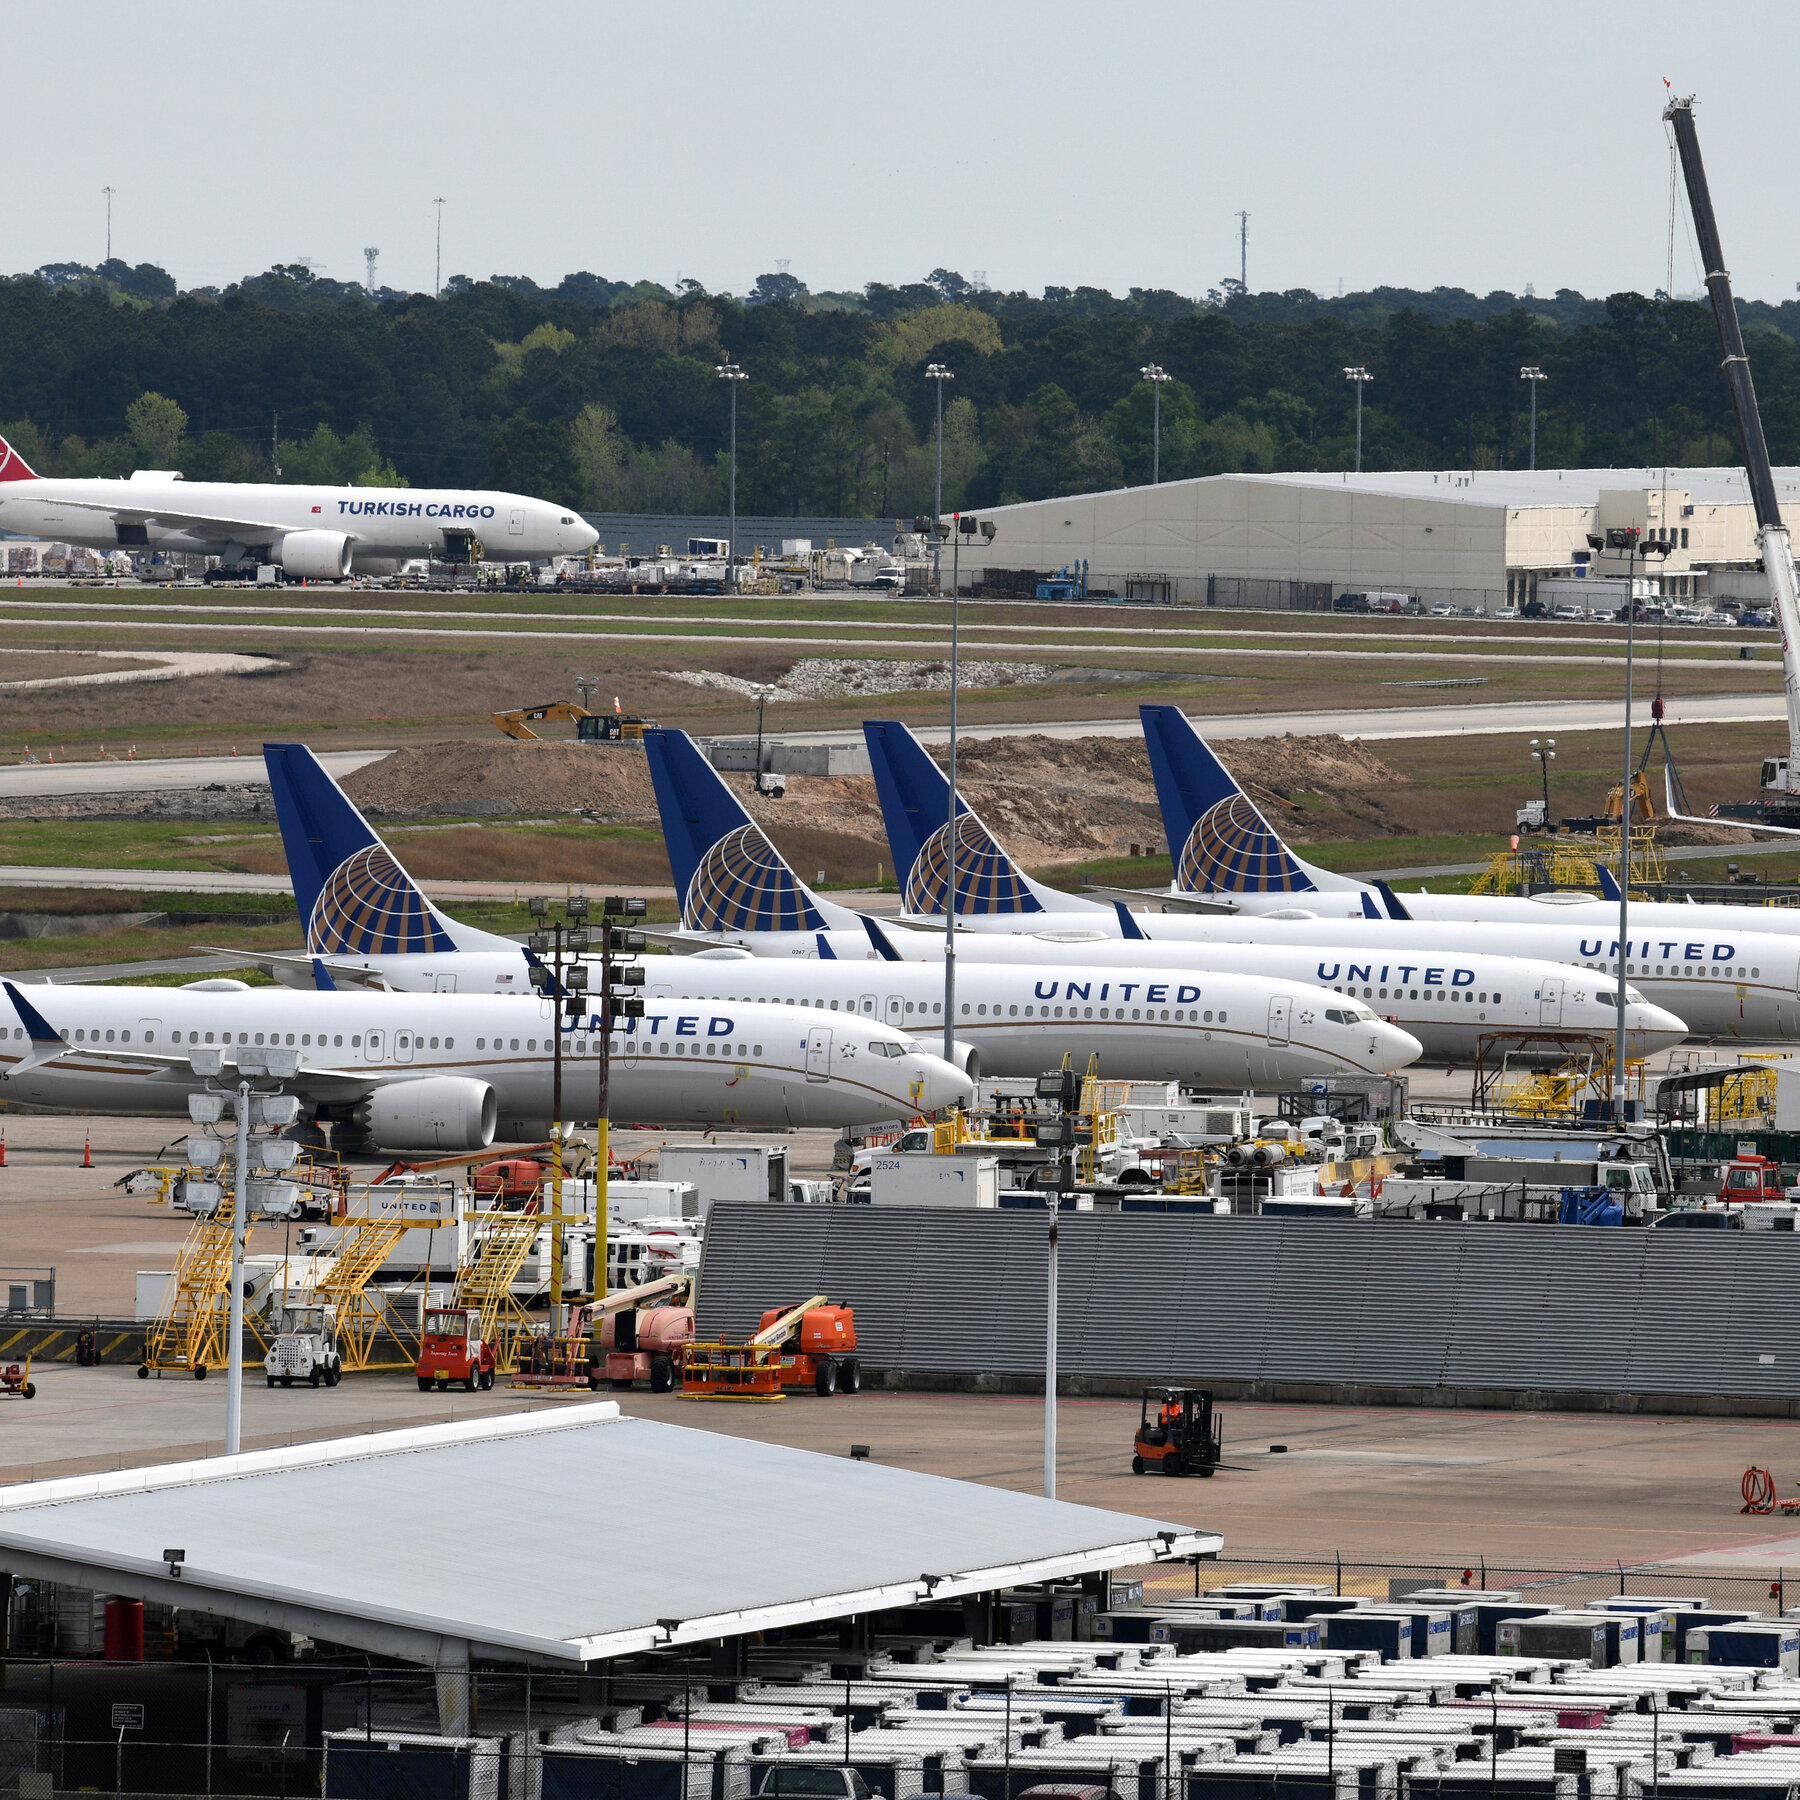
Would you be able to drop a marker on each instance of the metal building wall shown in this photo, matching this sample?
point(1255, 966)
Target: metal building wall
point(1514, 1309)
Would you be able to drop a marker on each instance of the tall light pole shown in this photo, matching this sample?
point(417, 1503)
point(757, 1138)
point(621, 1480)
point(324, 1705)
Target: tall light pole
point(438, 276)
point(1359, 378)
point(731, 374)
point(1533, 374)
point(1544, 755)
point(1156, 376)
point(109, 194)
point(938, 373)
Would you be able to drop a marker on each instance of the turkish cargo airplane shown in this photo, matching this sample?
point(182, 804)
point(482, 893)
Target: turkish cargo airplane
point(310, 533)
point(405, 1072)
point(1208, 1025)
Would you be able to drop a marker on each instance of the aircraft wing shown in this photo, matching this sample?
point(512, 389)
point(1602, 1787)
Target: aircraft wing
point(1696, 819)
point(341, 974)
point(236, 530)
point(1165, 899)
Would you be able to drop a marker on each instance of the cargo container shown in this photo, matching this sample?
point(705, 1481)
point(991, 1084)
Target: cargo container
point(1747, 1644)
point(915, 1180)
point(740, 1172)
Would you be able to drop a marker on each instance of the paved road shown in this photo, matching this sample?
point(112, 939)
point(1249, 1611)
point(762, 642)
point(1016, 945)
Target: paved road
point(157, 774)
point(212, 881)
point(1373, 724)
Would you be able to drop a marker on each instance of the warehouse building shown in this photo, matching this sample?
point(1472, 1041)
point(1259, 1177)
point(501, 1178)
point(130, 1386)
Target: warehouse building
point(1482, 538)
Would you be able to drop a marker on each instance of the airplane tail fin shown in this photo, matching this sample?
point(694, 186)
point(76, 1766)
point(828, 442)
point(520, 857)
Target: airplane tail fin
point(915, 807)
point(1218, 839)
point(13, 467)
point(353, 895)
point(728, 876)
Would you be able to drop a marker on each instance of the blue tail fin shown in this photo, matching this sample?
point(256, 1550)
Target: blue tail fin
point(728, 876)
point(915, 807)
point(1609, 882)
point(1396, 907)
point(354, 897)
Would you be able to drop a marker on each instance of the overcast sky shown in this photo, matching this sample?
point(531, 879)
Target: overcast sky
point(1055, 142)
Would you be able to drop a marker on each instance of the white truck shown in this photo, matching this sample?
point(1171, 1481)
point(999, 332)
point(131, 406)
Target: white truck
point(305, 1348)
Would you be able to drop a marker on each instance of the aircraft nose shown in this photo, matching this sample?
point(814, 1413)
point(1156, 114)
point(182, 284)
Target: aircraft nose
point(944, 1084)
point(1395, 1048)
point(1655, 1026)
point(582, 536)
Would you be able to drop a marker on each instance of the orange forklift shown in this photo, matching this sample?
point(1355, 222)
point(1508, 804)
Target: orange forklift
point(1178, 1433)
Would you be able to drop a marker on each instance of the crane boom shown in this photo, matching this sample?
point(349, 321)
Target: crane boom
point(1772, 534)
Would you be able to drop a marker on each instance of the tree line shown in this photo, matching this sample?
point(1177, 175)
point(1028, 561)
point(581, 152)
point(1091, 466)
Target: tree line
point(605, 395)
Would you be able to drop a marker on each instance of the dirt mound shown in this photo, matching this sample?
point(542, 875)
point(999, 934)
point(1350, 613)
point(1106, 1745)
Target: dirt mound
point(1048, 799)
point(608, 782)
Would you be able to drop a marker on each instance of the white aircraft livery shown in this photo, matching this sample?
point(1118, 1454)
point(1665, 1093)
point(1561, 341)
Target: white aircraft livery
point(1199, 1022)
point(311, 533)
point(446, 1072)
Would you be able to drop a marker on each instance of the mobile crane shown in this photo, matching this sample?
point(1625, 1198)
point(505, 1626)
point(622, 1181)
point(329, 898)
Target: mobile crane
point(1778, 809)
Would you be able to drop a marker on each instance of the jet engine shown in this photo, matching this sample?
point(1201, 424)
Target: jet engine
point(967, 1057)
point(436, 1112)
point(315, 555)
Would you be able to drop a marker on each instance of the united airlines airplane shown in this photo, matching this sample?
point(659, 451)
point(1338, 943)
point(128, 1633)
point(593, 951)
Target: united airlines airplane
point(310, 533)
point(1228, 858)
point(1745, 983)
point(367, 920)
point(404, 1072)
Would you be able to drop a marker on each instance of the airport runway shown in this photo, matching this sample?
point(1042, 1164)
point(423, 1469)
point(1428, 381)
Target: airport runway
point(1372, 724)
point(214, 881)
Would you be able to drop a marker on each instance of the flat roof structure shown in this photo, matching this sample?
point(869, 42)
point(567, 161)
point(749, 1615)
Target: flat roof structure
point(1481, 538)
point(564, 1537)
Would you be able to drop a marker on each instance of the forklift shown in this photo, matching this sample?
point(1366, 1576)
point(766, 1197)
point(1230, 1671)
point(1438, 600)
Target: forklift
point(1178, 1433)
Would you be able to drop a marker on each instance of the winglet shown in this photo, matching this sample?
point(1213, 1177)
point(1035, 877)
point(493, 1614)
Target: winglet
point(1128, 926)
point(1609, 882)
point(1370, 909)
point(826, 953)
point(884, 945)
point(322, 978)
point(1392, 901)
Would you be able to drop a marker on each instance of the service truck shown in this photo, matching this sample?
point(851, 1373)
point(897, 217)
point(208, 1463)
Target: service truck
point(451, 1348)
point(305, 1348)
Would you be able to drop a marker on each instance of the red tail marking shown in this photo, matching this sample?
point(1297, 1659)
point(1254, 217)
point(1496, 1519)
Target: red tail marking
point(13, 467)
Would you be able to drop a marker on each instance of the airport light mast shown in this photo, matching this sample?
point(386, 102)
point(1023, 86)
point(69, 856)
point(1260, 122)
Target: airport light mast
point(1359, 377)
point(1532, 374)
point(1156, 375)
point(731, 374)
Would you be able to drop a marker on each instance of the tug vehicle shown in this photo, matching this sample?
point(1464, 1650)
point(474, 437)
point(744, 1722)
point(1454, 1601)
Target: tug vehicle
point(1178, 1433)
point(305, 1348)
point(452, 1349)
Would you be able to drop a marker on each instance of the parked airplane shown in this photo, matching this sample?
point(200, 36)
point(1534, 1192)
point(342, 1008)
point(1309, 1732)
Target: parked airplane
point(1449, 997)
point(1231, 859)
point(311, 533)
point(367, 918)
point(446, 1072)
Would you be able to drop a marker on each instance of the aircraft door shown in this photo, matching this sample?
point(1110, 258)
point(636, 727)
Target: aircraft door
point(818, 1053)
point(443, 984)
point(1279, 1008)
point(1550, 998)
point(515, 522)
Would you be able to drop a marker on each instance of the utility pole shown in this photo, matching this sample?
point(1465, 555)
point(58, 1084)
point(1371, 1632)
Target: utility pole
point(615, 941)
point(940, 374)
point(1532, 374)
point(730, 373)
point(1155, 375)
point(275, 443)
point(1359, 377)
point(1243, 219)
point(437, 286)
point(109, 194)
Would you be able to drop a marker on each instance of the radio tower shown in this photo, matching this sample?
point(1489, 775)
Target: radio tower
point(1244, 251)
point(369, 256)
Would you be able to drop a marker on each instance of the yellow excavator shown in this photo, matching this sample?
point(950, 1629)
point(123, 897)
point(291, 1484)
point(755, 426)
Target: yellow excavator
point(590, 727)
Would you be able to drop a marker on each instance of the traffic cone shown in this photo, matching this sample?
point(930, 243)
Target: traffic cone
point(87, 1151)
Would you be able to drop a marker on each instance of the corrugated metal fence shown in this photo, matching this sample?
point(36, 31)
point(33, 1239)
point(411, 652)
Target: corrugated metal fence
point(1483, 1312)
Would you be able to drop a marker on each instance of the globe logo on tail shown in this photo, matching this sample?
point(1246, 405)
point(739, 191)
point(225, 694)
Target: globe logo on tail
point(986, 881)
point(370, 907)
point(743, 885)
point(1232, 850)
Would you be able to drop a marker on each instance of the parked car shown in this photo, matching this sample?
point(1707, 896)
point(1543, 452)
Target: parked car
point(1505, 612)
point(1757, 621)
point(1570, 612)
point(1447, 611)
point(1720, 619)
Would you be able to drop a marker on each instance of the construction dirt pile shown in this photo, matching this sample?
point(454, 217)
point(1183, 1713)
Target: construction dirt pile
point(1049, 799)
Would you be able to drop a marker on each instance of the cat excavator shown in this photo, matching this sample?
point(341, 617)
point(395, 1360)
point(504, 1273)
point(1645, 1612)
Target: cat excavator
point(590, 727)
